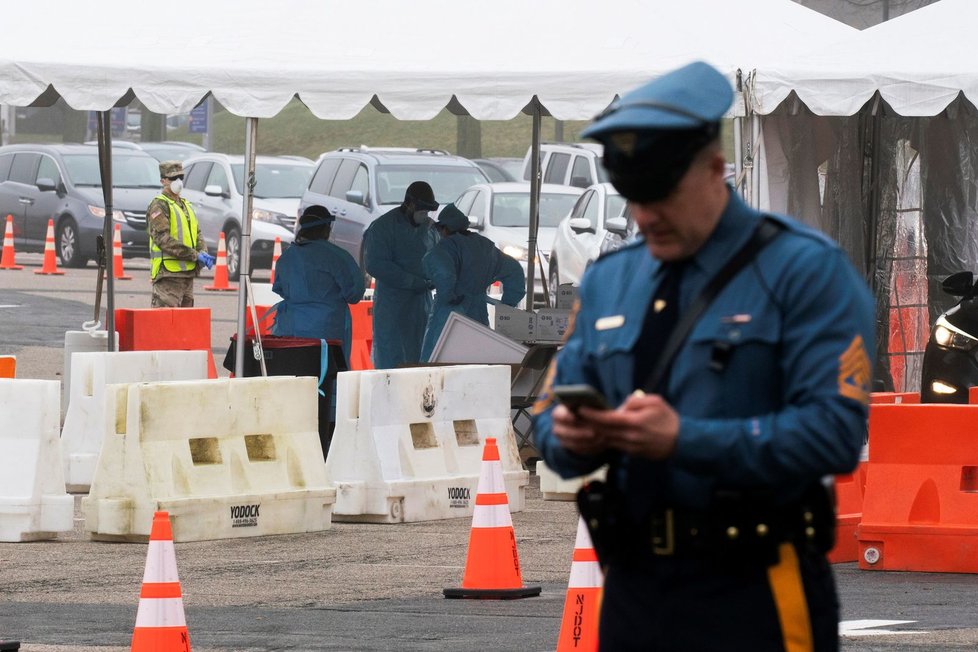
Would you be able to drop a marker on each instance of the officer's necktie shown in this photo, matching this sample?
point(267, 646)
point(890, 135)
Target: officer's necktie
point(660, 321)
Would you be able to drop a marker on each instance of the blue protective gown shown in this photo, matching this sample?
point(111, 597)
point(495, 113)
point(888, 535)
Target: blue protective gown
point(787, 405)
point(462, 267)
point(402, 299)
point(316, 280)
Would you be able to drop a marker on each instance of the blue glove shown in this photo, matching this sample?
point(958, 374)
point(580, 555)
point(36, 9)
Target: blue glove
point(206, 259)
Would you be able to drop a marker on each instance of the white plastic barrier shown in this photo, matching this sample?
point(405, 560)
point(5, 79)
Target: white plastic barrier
point(33, 502)
point(85, 421)
point(227, 458)
point(80, 342)
point(408, 442)
point(554, 487)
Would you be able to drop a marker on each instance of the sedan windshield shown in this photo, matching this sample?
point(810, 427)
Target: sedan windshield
point(448, 181)
point(127, 171)
point(513, 208)
point(275, 180)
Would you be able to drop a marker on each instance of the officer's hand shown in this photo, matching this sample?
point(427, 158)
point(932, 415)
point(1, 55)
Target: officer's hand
point(576, 435)
point(206, 259)
point(644, 425)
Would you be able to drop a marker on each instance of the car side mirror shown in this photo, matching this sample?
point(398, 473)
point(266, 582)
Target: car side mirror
point(46, 185)
point(475, 223)
point(961, 284)
point(580, 225)
point(356, 197)
point(215, 190)
point(617, 225)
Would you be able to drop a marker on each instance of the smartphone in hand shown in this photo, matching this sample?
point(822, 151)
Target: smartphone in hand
point(577, 396)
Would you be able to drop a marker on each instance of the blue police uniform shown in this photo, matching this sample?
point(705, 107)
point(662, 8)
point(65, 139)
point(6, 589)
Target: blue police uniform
point(771, 388)
point(461, 267)
point(394, 249)
point(316, 280)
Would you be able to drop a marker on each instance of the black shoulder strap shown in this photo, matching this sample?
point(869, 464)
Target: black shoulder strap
point(766, 230)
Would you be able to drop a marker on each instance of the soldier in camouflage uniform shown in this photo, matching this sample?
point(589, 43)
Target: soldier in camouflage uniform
point(176, 246)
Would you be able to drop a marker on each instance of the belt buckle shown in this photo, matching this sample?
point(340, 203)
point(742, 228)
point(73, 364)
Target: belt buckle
point(663, 535)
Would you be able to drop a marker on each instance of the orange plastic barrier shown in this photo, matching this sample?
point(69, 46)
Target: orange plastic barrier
point(8, 366)
point(166, 329)
point(920, 511)
point(894, 397)
point(265, 320)
point(849, 492)
point(363, 335)
point(973, 395)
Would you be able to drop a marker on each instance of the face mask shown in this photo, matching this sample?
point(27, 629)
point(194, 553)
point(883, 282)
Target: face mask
point(420, 217)
point(176, 186)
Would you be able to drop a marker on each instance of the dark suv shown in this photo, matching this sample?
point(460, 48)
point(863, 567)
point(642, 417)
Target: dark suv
point(358, 185)
point(62, 182)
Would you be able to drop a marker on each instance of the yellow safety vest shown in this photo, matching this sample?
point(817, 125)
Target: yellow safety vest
point(184, 229)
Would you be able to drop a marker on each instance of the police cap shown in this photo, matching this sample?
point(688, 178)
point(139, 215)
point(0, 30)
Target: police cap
point(652, 134)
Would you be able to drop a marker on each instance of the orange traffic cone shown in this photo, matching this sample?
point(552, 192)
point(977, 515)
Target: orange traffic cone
point(276, 254)
point(492, 568)
point(579, 627)
point(160, 621)
point(7, 259)
point(221, 269)
point(8, 366)
point(50, 265)
point(117, 271)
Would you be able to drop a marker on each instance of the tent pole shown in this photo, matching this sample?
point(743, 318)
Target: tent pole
point(104, 124)
point(244, 255)
point(531, 249)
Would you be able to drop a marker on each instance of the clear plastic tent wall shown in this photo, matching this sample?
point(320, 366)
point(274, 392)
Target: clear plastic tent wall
point(874, 139)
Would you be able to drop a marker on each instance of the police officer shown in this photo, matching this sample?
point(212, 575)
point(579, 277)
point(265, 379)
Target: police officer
point(714, 524)
point(176, 247)
point(461, 267)
point(394, 245)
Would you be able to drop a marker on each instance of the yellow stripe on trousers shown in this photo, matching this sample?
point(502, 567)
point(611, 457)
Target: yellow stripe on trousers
point(789, 598)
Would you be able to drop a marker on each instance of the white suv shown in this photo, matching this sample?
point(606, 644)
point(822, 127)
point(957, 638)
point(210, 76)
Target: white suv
point(568, 164)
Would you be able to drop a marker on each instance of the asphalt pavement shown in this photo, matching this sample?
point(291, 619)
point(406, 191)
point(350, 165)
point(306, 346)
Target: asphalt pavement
point(354, 586)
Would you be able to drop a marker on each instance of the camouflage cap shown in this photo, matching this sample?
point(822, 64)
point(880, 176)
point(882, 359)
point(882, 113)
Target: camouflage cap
point(170, 168)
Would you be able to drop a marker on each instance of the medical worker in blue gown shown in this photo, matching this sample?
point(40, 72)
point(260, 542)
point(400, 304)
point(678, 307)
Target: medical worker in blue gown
point(316, 280)
point(394, 245)
point(462, 266)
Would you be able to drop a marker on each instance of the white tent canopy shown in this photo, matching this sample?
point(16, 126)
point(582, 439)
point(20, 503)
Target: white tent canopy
point(493, 56)
point(919, 63)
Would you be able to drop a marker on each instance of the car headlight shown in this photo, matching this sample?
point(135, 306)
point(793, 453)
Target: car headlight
point(262, 215)
point(515, 251)
point(98, 211)
point(947, 335)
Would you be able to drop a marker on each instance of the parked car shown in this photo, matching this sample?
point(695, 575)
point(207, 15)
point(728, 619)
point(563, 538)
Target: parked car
point(359, 184)
point(580, 235)
point(501, 212)
point(63, 183)
point(215, 183)
point(501, 169)
point(168, 150)
point(569, 164)
point(951, 356)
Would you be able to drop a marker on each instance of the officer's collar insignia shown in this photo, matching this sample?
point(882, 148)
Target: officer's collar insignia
point(624, 142)
point(854, 371)
point(607, 323)
point(736, 319)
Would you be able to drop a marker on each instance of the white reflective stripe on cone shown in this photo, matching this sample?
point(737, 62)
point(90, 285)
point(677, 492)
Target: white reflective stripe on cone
point(160, 612)
point(491, 516)
point(585, 575)
point(491, 478)
point(161, 563)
